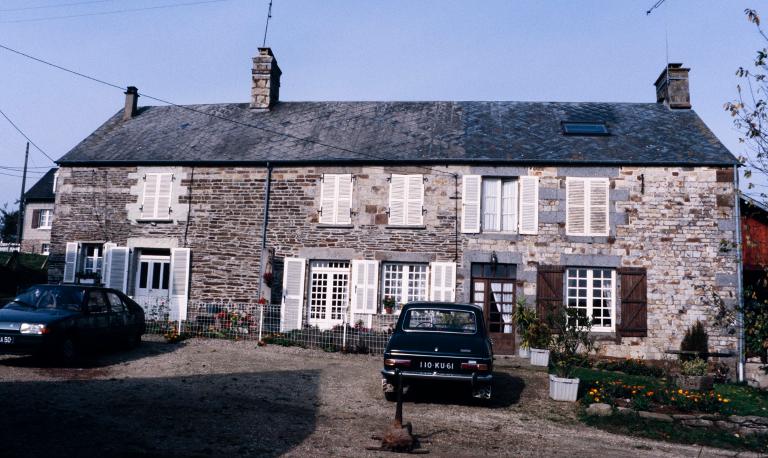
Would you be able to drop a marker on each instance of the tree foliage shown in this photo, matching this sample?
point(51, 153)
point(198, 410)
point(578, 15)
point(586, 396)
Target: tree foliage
point(9, 224)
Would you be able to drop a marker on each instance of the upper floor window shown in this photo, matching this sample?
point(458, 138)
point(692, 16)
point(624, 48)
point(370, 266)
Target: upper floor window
point(406, 200)
point(46, 219)
point(497, 204)
point(336, 199)
point(586, 209)
point(156, 198)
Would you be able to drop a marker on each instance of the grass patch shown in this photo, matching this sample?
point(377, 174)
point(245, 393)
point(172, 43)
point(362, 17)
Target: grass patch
point(669, 432)
point(745, 400)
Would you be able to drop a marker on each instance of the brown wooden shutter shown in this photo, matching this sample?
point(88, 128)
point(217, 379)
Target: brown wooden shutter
point(35, 219)
point(549, 290)
point(634, 302)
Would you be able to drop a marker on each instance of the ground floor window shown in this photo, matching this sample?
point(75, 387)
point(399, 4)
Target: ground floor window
point(45, 249)
point(328, 292)
point(404, 282)
point(592, 292)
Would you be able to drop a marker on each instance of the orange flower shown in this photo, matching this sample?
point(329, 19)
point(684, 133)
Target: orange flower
point(650, 393)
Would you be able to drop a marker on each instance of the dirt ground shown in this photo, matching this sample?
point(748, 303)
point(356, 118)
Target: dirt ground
point(218, 398)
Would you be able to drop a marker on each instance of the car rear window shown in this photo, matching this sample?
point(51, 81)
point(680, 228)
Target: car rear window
point(440, 320)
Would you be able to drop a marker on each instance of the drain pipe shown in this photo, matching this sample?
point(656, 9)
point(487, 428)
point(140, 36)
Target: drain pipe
point(263, 262)
point(739, 278)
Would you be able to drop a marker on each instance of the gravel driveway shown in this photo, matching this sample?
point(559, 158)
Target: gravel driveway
point(220, 398)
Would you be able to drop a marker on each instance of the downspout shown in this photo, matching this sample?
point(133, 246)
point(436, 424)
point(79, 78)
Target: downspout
point(262, 262)
point(456, 219)
point(739, 278)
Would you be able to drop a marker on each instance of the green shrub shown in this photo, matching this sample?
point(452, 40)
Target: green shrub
point(696, 340)
point(524, 319)
point(697, 367)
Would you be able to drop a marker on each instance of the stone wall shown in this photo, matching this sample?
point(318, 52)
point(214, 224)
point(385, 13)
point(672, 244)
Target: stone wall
point(671, 221)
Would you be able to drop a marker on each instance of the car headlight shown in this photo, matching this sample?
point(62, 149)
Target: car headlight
point(32, 328)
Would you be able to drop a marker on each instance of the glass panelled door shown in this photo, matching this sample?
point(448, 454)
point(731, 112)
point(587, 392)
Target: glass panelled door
point(153, 276)
point(328, 293)
point(493, 289)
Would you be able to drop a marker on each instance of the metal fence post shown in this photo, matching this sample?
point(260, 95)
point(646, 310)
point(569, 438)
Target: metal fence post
point(261, 320)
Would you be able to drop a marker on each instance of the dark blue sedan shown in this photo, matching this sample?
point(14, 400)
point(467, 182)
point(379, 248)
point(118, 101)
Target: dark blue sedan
point(65, 320)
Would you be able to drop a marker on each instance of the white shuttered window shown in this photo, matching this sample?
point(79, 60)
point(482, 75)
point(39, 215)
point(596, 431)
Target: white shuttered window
point(443, 281)
point(336, 199)
point(406, 200)
point(156, 199)
point(586, 210)
point(494, 204)
point(365, 282)
point(293, 294)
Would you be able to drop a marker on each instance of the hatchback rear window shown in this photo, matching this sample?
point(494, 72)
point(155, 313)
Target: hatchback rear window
point(442, 320)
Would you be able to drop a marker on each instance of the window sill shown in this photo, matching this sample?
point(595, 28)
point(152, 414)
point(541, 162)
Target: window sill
point(588, 238)
point(44, 228)
point(335, 226)
point(406, 227)
point(514, 236)
point(150, 221)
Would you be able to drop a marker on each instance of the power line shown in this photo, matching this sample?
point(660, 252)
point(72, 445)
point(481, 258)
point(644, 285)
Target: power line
point(104, 13)
point(19, 168)
point(60, 5)
point(25, 136)
point(215, 116)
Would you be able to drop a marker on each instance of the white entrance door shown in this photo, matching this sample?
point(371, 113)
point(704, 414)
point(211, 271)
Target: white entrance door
point(328, 293)
point(152, 278)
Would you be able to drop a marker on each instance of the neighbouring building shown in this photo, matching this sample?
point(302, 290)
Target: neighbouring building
point(38, 214)
point(754, 235)
point(618, 209)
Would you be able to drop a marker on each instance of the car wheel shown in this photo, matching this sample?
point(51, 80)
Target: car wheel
point(391, 397)
point(134, 340)
point(68, 350)
point(482, 392)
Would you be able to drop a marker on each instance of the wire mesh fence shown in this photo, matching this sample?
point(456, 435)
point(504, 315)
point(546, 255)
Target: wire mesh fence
point(261, 323)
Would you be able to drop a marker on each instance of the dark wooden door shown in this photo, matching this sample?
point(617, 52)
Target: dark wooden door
point(497, 298)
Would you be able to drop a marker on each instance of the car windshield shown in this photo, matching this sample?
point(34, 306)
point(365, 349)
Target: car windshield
point(50, 297)
point(443, 320)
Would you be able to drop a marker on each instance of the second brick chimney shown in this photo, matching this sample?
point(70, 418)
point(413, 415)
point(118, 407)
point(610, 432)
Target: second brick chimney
point(265, 81)
point(672, 87)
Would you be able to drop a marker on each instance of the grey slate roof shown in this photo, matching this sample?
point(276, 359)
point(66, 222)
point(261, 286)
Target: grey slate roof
point(42, 191)
point(437, 132)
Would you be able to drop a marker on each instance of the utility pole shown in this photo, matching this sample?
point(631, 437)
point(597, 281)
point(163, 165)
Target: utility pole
point(20, 222)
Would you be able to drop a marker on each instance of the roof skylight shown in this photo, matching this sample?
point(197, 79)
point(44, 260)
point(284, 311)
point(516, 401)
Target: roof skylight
point(584, 128)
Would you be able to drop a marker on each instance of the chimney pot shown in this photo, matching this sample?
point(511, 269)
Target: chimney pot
point(265, 80)
point(131, 102)
point(672, 87)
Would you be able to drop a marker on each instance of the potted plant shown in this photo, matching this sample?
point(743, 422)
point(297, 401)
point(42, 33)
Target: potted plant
point(524, 317)
point(389, 304)
point(539, 335)
point(570, 349)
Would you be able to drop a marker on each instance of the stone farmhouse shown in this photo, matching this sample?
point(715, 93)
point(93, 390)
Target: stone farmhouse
point(38, 214)
point(328, 208)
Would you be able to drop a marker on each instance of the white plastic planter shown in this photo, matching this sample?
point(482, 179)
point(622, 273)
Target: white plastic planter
point(539, 357)
point(524, 352)
point(563, 389)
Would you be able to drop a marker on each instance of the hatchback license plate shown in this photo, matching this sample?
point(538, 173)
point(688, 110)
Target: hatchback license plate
point(6, 339)
point(437, 365)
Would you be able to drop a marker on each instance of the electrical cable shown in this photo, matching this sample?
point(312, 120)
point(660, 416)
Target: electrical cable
point(60, 5)
point(104, 13)
point(215, 116)
point(25, 136)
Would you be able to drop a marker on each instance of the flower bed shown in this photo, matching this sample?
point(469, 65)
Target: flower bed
point(663, 400)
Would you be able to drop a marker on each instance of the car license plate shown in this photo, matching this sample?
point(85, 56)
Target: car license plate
point(437, 365)
point(6, 339)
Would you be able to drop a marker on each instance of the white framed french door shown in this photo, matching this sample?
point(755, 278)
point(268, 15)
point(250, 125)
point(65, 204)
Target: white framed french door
point(153, 276)
point(328, 293)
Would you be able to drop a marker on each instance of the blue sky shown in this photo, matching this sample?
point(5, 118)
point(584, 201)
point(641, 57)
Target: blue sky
point(355, 50)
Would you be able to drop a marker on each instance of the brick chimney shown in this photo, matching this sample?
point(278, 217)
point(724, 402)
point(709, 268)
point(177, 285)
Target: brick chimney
point(672, 87)
point(131, 102)
point(265, 82)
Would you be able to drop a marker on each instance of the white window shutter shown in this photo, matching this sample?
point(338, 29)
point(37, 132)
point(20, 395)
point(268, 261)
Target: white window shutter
point(365, 282)
point(149, 200)
point(106, 253)
point(529, 205)
point(598, 207)
point(575, 208)
point(116, 265)
point(293, 294)
point(179, 294)
point(70, 262)
point(415, 200)
point(443, 281)
point(470, 204)
point(328, 199)
point(164, 188)
point(343, 199)
point(397, 200)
